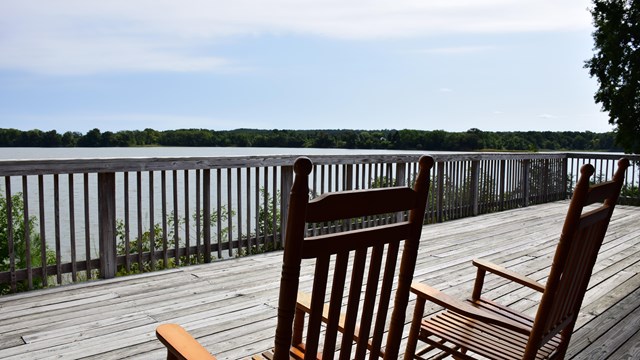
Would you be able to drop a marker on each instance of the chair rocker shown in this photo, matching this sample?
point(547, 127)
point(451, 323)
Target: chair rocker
point(360, 230)
point(483, 328)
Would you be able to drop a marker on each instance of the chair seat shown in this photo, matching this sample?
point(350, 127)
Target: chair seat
point(296, 353)
point(487, 340)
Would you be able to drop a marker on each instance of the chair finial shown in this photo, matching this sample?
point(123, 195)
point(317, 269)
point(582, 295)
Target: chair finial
point(302, 166)
point(426, 161)
point(587, 170)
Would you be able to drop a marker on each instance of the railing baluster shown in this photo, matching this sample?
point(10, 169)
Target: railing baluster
point(229, 213)
point(198, 215)
point(239, 210)
point(27, 231)
point(139, 218)
point(206, 205)
point(176, 221)
point(219, 212)
point(257, 204)
point(152, 225)
point(43, 236)
point(72, 230)
point(274, 209)
point(249, 242)
point(475, 187)
point(187, 215)
point(87, 227)
point(10, 241)
point(127, 217)
point(286, 183)
point(165, 229)
point(265, 204)
point(56, 220)
point(199, 231)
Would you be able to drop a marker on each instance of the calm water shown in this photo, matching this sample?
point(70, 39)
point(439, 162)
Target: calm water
point(75, 153)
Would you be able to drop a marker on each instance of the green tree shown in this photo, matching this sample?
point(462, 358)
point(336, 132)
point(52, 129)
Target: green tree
point(616, 66)
point(93, 138)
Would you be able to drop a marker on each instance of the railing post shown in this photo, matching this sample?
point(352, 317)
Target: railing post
point(285, 194)
point(526, 182)
point(401, 174)
point(440, 197)
point(206, 214)
point(475, 186)
point(107, 224)
point(401, 180)
point(348, 177)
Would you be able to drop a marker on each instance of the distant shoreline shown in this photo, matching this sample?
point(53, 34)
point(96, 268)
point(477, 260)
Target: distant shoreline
point(408, 140)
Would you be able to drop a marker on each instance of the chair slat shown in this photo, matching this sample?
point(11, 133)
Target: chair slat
point(317, 306)
point(330, 244)
point(368, 305)
point(335, 304)
point(599, 192)
point(333, 206)
point(385, 295)
point(353, 303)
point(589, 218)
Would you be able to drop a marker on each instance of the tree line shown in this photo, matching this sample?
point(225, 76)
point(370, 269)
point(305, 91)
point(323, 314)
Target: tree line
point(471, 140)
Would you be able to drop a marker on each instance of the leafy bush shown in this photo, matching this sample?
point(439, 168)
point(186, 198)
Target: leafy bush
point(20, 243)
point(143, 244)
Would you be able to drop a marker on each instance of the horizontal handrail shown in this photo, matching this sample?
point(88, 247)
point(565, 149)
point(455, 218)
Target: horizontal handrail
point(118, 164)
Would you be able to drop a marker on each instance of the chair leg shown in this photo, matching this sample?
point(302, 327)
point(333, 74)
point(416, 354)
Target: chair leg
point(565, 336)
point(298, 327)
point(414, 330)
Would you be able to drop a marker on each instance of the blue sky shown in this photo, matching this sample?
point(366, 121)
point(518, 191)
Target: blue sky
point(496, 65)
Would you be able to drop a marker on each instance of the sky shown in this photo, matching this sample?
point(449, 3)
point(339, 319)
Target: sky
point(495, 65)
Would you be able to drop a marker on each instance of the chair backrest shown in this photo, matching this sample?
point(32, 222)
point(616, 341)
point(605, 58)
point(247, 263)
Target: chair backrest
point(340, 230)
point(582, 235)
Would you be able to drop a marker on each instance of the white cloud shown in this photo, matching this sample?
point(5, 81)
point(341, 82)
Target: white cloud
point(445, 90)
point(89, 36)
point(78, 56)
point(457, 50)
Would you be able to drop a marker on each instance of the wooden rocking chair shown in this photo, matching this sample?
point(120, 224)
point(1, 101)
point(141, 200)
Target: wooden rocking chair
point(481, 327)
point(361, 229)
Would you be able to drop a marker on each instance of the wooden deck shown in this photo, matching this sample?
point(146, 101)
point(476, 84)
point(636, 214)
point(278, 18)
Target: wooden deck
point(230, 305)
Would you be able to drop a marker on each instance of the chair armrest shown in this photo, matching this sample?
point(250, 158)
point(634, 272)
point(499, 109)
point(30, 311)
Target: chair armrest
point(465, 308)
point(180, 344)
point(508, 274)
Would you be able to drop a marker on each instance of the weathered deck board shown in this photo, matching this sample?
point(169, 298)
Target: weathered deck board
point(230, 305)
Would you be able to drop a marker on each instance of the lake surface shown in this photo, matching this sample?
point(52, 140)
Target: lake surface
point(76, 153)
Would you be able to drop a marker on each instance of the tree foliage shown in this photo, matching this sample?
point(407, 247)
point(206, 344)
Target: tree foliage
point(25, 245)
point(407, 139)
point(616, 66)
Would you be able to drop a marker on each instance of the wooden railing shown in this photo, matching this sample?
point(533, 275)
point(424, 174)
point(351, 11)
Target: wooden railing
point(89, 218)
